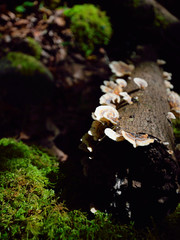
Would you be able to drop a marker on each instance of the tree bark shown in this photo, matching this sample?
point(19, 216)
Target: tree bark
point(149, 114)
point(136, 183)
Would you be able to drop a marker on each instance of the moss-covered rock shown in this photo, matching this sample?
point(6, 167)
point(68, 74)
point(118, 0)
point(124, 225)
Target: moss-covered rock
point(90, 26)
point(25, 65)
point(24, 79)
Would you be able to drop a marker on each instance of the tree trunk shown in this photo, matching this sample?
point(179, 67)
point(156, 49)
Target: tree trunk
point(136, 183)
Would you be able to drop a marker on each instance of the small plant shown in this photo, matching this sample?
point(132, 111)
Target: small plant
point(24, 6)
point(90, 26)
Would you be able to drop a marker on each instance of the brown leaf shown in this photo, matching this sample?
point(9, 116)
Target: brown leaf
point(4, 17)
point(21, 22)
point(60, 21)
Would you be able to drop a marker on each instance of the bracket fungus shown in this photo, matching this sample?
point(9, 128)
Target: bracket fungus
point(160, 62)
point(142, 84)
point(174, 102)
point(109, 99)
point(113, 135)
point(170, 116)
point(120, 68)
point(137, 139)
point(113, 87)
point(168, 85)
point(121, 82)
point(106, 114)
point(126, 97)
point(167, 76)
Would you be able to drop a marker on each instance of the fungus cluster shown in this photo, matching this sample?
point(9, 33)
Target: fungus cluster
point(173, 97)
point(106, 119)
point(174, 102)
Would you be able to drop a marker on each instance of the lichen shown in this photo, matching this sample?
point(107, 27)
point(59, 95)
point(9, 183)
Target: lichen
point(90, 26)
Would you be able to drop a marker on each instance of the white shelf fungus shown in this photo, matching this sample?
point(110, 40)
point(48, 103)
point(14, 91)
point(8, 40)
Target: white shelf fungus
point(160, 62)
point(121, 82)
point(168, 84)
point(113, 87)
point(106, 114)
point(167, 76)
point(113, 135)
point(174, 102)
point(109, 99)
point(141, 83)
point(120, 68)
point(137, 139)
point(126, 97)
point(170, 116)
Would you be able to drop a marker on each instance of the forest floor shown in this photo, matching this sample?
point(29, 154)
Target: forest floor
point(58, 122)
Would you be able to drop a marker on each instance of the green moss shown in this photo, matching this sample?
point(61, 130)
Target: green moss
point(136, 3)
point(90, 26)
point(34, 47)
point(29, 208)
point(176, 128)
point(27, 65)
point(160, 20)
point(24, 193)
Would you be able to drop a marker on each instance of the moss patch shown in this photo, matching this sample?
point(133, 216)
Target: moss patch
point(90, 26)
point(34, 47)
point(27, 65)
point(29, 208)
point(176, 129)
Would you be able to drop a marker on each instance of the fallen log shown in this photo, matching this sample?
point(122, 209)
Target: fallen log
point(137, 178)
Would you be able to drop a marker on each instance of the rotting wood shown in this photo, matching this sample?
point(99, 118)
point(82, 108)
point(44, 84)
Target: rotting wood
point(148, 114)
point(136, 183)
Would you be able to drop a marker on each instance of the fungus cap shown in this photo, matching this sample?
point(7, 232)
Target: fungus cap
point(126, 97)
point(160, 62)
point(108, 86)
point(112, 87)
point(137, 139)
point(121, 82)
point(142, 84)
point(120, 68)
point(109, 99)
point(173, 99)
point(106, 114)
point(113, 135)
point(168, 84)
point(170, 116)
point(167, 75)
